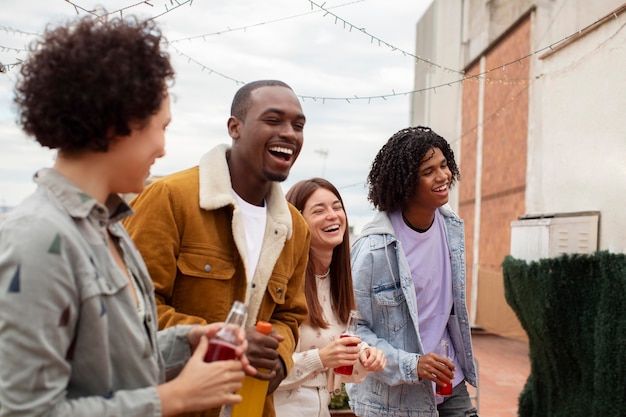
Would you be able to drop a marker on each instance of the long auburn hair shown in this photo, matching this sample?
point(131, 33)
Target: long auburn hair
point(341, 290)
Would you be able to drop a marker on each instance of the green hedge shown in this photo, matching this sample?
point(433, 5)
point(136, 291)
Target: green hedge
point(573, 310)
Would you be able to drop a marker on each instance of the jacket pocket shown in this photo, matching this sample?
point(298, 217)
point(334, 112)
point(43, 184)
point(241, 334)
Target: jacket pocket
point(203, 265)
point(206, 284)
point(277, 289)
point(392, 306)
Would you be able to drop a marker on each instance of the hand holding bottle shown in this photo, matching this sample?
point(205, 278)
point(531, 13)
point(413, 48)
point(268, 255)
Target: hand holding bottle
point(444, 389)
point(343, 351)
point(225, 343)
point(209, 330)
point(263, 351)
point(202, 385)
point(351, 341)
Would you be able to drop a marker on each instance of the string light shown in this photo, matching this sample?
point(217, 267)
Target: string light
point(6, 67)
point(434, 88)
point(204, 67)
point(17, 31)
point(497, 112)
point(9, 49)
point(245, 28)
point(350, 26)
point(378, 40)
point(94, 12)
point(178, 4)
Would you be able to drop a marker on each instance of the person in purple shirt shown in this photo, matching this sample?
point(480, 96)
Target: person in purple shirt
point(408, 267)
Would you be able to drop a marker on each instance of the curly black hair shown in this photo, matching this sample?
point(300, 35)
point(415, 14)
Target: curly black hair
point(394, 175)
point(86, 81)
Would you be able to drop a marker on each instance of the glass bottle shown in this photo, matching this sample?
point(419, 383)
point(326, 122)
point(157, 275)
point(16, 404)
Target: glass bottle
point(222, 346)
point(444, 350)
point(351, 331)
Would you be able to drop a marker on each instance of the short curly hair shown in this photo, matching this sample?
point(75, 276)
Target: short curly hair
point(241, 102)
point(86, 81)
point(394, 175)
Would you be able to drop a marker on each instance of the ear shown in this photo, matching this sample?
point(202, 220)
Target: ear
point(234, 127)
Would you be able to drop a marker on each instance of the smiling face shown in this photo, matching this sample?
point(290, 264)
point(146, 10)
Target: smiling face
point(434, 181)
point(267, 143)
point(326, 217)
point(131, 156)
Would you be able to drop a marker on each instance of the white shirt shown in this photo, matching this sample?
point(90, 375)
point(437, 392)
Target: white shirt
point(254, 219)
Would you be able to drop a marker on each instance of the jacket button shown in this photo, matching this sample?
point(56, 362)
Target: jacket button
point(207, 268)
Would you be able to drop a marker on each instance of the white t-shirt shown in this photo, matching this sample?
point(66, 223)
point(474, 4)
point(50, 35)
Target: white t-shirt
point(254, 219)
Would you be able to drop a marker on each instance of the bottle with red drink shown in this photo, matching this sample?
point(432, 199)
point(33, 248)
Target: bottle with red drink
point(351, 331)
point(444, 350)
point(222, 346)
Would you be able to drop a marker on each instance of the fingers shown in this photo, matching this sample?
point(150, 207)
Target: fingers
point(207, 385)
point(337, 353)
point(201, 348)
point(373, 359)
point(262, 354)
point(279, 337)
point(435, 368)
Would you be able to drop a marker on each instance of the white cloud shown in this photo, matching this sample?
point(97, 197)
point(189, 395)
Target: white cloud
point(317, 55)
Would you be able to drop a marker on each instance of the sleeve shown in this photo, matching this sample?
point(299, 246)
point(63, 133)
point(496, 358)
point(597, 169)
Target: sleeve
point(38, 292)
point(156, 232)
point(173, 343)
point(306, 365)
point(401, 365)
point(287, 318)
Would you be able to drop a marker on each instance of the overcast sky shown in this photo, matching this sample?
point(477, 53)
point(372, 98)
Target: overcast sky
point(343, 50)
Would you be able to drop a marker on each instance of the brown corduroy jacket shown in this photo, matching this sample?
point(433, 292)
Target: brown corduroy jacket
point(190, 232)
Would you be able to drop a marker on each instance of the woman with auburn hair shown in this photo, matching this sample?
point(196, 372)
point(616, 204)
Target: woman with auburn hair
point(328, 289)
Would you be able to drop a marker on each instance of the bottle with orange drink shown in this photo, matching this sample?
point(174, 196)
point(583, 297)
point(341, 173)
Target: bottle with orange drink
point(253, 390)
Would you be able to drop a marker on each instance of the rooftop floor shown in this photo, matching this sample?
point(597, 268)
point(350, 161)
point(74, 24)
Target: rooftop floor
point(503, 368)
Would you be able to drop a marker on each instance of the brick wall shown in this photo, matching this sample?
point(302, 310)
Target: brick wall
point(504, 133)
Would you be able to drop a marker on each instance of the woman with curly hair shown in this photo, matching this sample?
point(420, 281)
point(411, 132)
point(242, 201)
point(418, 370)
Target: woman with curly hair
point(328, 289)
point(78, 322)
point(409, 279)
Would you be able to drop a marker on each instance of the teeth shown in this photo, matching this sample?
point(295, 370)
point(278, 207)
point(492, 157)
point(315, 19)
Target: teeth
point(442, 188)
point(281, 150)
point(331, 228)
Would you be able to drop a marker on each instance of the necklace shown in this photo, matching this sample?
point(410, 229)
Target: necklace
point(324, 275)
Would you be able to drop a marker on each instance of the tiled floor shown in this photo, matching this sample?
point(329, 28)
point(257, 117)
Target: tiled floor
point(503, 368)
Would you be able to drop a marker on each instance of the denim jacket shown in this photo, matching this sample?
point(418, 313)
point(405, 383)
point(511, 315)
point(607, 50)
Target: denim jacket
point(385, 297)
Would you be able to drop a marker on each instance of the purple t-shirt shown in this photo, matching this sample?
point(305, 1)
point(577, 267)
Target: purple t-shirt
point(429, 260)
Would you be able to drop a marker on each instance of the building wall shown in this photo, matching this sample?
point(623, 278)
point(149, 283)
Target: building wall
point(505, 127)
point(582, 163)
point(493, 162)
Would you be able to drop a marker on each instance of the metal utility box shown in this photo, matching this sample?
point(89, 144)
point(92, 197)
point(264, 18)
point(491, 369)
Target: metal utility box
point(534, 237)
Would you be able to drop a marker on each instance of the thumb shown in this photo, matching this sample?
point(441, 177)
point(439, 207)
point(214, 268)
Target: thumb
point(202, 348)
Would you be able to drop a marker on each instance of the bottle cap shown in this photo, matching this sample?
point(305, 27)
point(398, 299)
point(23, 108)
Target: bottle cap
point(263, 327)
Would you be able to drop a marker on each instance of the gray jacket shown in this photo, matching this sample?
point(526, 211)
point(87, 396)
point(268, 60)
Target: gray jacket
point(385, 297)
point(71, 340)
